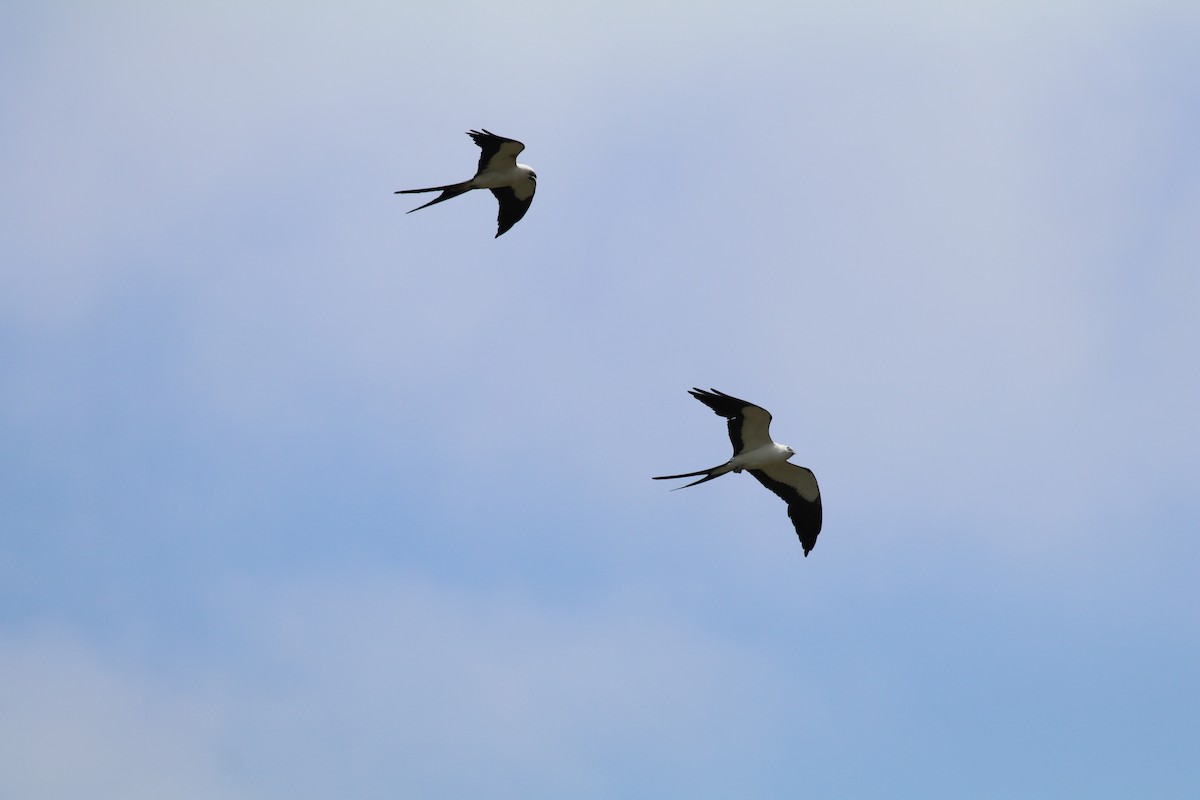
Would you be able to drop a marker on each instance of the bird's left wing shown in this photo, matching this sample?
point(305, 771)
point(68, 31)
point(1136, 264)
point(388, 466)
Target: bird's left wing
point(499, 152)
point(797, 486)
point(512, 207)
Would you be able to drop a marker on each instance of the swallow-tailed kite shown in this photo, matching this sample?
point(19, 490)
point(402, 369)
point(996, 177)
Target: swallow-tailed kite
point(512, 183)
point(755, 452)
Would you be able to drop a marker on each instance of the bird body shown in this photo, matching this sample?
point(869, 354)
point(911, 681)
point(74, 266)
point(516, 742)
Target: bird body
point(511, 183)
point(759, 458)
point(755, 452)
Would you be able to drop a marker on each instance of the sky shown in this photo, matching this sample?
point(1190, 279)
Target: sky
point(304, 497)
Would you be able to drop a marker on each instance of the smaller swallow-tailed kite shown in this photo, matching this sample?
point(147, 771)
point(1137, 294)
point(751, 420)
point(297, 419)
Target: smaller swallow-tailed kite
point(512, 183)
point(755, 452)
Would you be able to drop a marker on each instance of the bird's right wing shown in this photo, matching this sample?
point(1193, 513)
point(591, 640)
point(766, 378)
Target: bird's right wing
point(749, 425)
point(499, 152)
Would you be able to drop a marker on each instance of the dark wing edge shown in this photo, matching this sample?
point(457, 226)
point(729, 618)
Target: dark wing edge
point(489, 145)
point(728, 406)
point(512, 208)
point(804, 514)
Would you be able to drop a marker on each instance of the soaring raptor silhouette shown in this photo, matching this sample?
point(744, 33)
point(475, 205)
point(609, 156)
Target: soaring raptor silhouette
point(767, 461)
point(512, 183)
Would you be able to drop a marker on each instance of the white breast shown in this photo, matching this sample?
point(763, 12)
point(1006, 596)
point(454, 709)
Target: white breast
point(762, 456)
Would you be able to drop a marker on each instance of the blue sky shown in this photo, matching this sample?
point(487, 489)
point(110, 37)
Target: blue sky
point(304, 497)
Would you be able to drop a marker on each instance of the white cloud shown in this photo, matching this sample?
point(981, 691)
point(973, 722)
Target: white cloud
point(75, 725)
point(974, 230)
point(389, 685)
point(441, 679)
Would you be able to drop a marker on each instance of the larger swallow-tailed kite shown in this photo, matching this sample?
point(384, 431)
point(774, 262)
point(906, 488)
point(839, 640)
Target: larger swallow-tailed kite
point(512, 183)
point(755, 452)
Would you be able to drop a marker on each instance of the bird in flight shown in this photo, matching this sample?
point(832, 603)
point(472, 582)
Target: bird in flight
point(512, 183)
point(755, 452)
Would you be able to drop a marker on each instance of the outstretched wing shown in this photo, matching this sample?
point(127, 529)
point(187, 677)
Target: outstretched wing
point(512, 206)
point(749, 425)
point(797, 486)
point(498, 152)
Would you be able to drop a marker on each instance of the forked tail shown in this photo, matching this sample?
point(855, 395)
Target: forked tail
point(453, 190)
point(708, 474)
